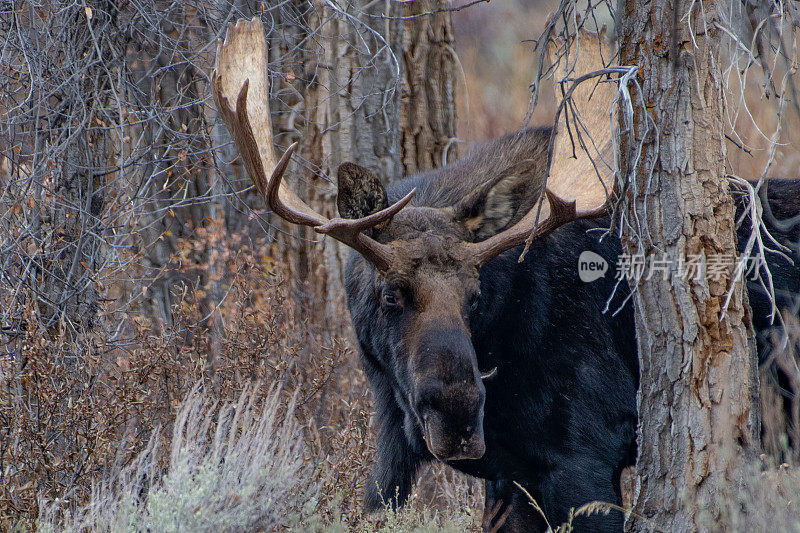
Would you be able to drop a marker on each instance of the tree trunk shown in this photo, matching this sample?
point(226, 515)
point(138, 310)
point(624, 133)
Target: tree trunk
point(165, 84)
point(428, 109)
point(698, 398)
point(374, 88)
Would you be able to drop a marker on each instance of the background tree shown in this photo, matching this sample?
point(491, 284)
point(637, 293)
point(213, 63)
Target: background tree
point(699, 402)
point(121, 201)
point(136, 261)
point(376, 88)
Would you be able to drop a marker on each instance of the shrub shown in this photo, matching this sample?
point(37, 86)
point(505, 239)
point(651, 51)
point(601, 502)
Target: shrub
point(234, 467)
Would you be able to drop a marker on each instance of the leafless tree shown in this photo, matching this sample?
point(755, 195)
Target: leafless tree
point(113, 164)
point(689, 127)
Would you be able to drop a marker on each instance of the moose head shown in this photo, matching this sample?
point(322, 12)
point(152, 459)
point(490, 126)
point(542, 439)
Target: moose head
point(416, 273)
point(419, 265)
point(420, 299)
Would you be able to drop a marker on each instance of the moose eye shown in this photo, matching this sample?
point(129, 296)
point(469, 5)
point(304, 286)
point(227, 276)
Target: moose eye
point(475, 300)
point(390, 298)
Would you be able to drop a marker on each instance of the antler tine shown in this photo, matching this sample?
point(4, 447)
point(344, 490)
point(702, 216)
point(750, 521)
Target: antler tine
point(278, 204)
point(338, 228)
point(284, 202)
point(344, 230)
point(281, 200)
point(526, 230)
point(349, 231)
point(242, 57)
point(336, 225)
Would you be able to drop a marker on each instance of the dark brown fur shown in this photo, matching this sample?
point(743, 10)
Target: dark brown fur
point(360, 192)
point(421, 320)
point(560, 411)
point(518, 159)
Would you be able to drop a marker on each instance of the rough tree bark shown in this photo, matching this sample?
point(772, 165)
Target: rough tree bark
point(376, 87)
point(428, 109)
point(698, 401)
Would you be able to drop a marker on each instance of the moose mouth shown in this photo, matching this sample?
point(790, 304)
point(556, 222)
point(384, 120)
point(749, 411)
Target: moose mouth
point(446, 447)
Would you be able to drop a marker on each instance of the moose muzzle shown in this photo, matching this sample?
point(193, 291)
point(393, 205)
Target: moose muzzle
point(449, 395)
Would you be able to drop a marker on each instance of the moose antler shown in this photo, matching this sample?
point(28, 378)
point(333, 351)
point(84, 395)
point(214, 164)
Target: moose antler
point(240, 58)
point(529, 228)
point(572, 171)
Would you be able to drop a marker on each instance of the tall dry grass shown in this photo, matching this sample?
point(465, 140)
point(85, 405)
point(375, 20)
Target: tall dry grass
point(236, 466)
point(780, 377)
point(121, 435)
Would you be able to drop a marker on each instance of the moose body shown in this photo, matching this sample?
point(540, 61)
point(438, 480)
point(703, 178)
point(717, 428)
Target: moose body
point(559, 410)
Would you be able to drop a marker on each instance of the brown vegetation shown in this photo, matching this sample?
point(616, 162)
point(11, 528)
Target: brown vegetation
point(188, 286)
point(132, 269)
point(72, 424)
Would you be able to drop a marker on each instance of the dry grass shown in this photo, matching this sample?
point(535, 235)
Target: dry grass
point(85, 422)
point(236, 467)
point(767, 502)
point(779, 377)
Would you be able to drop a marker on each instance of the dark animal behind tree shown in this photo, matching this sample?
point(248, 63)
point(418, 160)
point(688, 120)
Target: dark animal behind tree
point(559, 413)
point(508, 371)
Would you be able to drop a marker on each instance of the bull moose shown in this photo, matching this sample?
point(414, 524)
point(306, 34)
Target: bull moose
point(507, 370)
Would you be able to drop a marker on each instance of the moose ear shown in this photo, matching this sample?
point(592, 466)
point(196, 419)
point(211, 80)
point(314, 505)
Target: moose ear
point(498, 205)
point(360, 192)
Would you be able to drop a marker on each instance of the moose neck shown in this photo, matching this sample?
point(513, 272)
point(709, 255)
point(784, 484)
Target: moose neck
point(521, 153)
